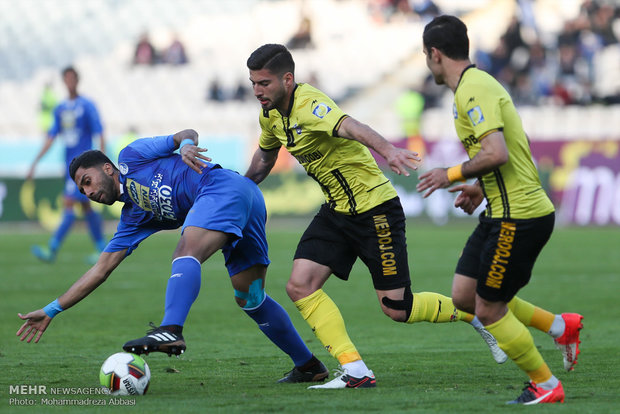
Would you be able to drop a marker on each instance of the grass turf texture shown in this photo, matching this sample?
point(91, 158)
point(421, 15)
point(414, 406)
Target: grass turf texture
point(231, 367)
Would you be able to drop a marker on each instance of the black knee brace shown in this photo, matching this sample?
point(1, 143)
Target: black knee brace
point(405, 304)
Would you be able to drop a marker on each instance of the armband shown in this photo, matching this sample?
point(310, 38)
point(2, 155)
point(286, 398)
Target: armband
point(456, 173)
point(185, 142)
point(53, 309)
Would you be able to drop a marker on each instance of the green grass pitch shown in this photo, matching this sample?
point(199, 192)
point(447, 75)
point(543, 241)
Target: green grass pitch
point(231, 367)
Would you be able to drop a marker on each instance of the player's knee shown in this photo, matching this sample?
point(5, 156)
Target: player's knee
point(296, 291)
point(399, 310)
point(253, 298)
point(395, 315)
point(462, 303)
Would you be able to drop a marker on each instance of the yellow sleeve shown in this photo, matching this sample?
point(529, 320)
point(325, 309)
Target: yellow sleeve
point(267, 141)
point(321, 114)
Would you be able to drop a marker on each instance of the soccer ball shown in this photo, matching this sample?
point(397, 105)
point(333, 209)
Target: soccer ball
point(125, 374)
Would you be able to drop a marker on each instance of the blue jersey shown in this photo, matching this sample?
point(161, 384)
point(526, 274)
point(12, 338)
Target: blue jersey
point(76, 121)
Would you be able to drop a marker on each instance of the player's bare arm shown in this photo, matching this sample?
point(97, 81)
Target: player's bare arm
point(36, 322)
point(262, 163)
point(187, 141)
point(48, 143)
point(399, 159)
point(492, 155)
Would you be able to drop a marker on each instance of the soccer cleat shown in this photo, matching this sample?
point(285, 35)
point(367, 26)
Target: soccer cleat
point(569, 342)
point(157, 340)
point(45, 254)
point(315, 373)
point(532, 394)
point(498, 355)
point(344, 380)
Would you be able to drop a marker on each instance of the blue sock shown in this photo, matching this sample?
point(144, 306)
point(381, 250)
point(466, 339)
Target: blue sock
point(273, 320)
point(182, 290)
point(68, 217)
point(95, 225)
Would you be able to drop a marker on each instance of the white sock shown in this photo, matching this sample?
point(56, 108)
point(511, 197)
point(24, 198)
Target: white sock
point(476, 323)
point(557, 327)
point(550, 384)
point(357, 369)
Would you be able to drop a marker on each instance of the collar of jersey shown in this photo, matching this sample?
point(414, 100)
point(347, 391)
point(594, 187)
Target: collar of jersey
point(292, 102)
point(473, 65)
point(124, 197)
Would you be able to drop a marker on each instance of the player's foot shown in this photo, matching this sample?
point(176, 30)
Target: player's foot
point(43, 253)
point(498, 355)
point(157, 339)
point(569, 342)
point(316, 372)
point(533, 394)
point(344, 380)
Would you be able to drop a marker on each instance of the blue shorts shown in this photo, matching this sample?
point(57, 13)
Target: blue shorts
point(231, 203)
point(72, 191)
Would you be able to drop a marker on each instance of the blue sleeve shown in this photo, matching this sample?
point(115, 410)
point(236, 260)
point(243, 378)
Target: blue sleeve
point(94, 120)
point(128, 237)
point(151, 148)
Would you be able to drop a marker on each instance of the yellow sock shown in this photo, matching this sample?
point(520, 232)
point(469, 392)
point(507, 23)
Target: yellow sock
point(435, 308)
point(517, 342)
point(326, 322)
point(531, 315)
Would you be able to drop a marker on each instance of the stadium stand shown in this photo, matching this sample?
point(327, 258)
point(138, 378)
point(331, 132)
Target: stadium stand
point(362, 61)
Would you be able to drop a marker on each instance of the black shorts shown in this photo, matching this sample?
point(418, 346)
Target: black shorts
point(376, 236)
point(500, 254)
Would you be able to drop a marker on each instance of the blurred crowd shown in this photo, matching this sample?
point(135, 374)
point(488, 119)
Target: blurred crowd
point(146, 54)
point(560, 70)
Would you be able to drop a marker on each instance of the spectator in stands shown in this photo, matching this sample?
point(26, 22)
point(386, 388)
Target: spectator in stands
point(426, 9)
point(302, 39)
point(145, 53)
point(175, 53)
point(215, 91)
point(241, 92)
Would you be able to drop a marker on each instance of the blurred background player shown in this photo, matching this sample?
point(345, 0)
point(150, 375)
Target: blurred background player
point(499, 256)
point(217, 208)
point(76, 121)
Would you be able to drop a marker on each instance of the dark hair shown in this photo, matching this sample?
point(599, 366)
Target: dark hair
point(448, 34)
point(87, 159)
point(273, 57)
point(70, 69)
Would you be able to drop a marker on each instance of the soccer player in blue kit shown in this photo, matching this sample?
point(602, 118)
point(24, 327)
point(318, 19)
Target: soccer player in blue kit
point(77, 123)
point(216, 208)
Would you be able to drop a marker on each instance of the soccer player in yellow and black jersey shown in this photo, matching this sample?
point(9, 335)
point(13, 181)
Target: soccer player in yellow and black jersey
point(499, 256)
point(362, 216)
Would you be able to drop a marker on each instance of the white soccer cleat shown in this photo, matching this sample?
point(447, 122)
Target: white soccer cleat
point(498, 355)
point(344, 380)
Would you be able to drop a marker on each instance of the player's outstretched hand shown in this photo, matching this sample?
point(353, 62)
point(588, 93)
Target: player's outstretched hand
point(36, 323)
point(191, 155)
point(401, 160)
point(432, 180)
point(469, 198)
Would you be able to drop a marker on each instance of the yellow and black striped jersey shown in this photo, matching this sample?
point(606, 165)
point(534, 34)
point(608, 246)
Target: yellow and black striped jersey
point(345, 169)
point(482, 106)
